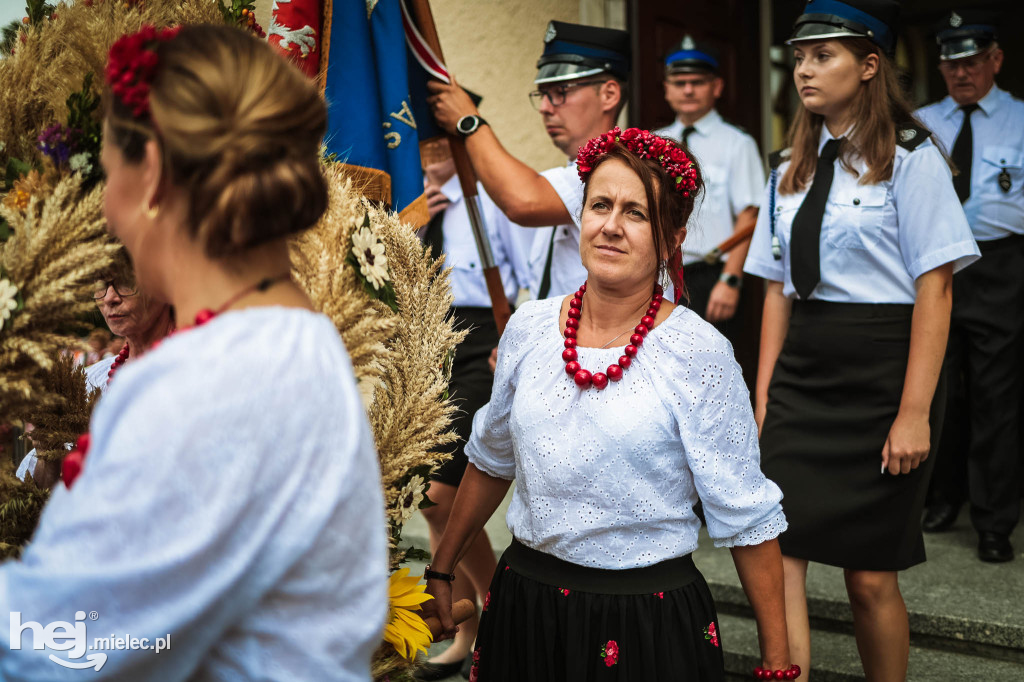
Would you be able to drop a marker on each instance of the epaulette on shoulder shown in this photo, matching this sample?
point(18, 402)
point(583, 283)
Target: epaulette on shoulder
point(911, 135)
point(776, 158)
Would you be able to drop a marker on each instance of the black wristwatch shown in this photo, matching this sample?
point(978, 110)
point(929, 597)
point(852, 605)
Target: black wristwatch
point(437, 575)
point(467, 125)
point(734, 281)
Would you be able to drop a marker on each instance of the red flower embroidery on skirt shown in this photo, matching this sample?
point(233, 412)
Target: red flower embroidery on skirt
point(610, 653)
point(474, 670)
point(711, 634)
point(565, 592)
point(659, 595)
point(487, 600)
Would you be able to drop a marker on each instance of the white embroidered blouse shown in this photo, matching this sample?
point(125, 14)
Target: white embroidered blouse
point(608, 479)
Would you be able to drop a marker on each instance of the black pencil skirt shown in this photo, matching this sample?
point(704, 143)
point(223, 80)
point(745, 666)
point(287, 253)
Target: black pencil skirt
point(833, 397)
point(548, 620)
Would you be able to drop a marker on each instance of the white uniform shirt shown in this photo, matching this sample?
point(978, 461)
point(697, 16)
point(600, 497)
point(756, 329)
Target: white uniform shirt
point(733, 181)
point(609, 478)
point(567, 272)
point(875, 239)
point(230, 498)
point(998, 144)
point(507, 245)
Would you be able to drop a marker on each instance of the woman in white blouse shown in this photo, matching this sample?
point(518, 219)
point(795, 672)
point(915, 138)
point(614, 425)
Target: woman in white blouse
point(229, 506)
point(598, 583)
point(858, 238)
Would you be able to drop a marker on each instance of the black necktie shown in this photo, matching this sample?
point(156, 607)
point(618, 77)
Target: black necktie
point(433, 238)
point(805, 240)
point(687, 131)
point(963, 153)
point(545, 280)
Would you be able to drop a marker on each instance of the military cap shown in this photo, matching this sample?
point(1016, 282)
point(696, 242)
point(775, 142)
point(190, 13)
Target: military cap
point(965, 33)
point(574, 51)
point(872, 19)
point(690, 56)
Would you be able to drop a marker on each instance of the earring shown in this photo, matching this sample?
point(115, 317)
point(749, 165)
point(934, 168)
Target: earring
point(152, 212)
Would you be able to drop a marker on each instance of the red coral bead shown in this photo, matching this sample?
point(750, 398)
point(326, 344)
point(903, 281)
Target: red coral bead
point(71, 467)
point(583, 287)
point(795, 668)
point(757, 672)
point(574, 313)
point(579, 294)
point(614, 372)
point(82, 444)
point(569, 354)
point(656, 304)
point(575, 303)
point(569, 333)
point(658, 289)
point(647, 321)
point(582, 378)
point(575, 324)
point(636, 340)
point(204, 316)
point(779, 674)
point(630, 350)
point(625, 361)
point(572, 367)
point(641, 329)
point(656, 298)
point(600, 380)
point(569, 343)
point(789, 675)
point(652, 312)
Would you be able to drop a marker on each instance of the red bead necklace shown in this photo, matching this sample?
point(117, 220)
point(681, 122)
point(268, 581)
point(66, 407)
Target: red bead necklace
point(583, 378)
point(121, 358)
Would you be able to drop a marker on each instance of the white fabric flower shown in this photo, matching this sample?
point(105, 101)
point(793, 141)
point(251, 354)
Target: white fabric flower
point(80, 162)
point(369, 252)
point(410, 497)
point(8, 300)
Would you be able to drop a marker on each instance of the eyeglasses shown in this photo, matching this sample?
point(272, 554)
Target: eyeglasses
point(556, 95)
point(120, 288)
point(971, 65)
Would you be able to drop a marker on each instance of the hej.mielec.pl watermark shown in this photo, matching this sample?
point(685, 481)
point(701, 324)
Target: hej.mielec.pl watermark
point(72, 638)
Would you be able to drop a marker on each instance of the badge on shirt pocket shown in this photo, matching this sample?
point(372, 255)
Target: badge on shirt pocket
point(1005, 167)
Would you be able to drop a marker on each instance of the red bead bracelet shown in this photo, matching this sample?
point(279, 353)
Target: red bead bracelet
point(790, 673)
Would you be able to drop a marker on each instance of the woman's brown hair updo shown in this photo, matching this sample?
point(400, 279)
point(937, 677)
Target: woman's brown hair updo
point(669, 209)
point(240, 131)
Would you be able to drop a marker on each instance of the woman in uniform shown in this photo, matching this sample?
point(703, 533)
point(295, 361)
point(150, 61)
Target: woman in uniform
point(859, 238)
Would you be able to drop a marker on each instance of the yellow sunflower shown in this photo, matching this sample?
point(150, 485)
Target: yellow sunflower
point(405, 629)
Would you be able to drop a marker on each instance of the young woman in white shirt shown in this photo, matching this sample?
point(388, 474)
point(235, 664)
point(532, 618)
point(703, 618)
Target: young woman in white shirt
point(858, 238)
point(598, 583)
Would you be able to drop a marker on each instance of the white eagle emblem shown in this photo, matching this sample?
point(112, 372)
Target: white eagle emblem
point(955, 20)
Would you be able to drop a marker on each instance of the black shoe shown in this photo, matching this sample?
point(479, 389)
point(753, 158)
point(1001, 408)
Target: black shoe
point(429, 672)
point(994, 547)
point(939, 517)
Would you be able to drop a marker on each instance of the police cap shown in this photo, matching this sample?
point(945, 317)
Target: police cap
point(965, 33)
point(872, 19)
point(574, 51)
point(690, 56)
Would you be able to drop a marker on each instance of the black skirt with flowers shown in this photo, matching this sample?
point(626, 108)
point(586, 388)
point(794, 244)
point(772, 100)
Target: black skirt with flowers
point(548, 620)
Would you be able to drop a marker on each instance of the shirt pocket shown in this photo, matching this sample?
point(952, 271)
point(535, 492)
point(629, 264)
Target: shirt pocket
point(854, 220)
point(995, 160)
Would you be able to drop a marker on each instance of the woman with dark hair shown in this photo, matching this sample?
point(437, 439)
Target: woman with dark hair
point(598, 583)
point(229, 507)
point(859, 238)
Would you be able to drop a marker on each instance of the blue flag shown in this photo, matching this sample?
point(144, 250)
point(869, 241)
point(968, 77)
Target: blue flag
point(373, 124)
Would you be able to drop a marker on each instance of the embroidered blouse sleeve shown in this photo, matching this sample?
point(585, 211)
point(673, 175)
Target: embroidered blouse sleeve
point(490, 446)
point(719, 435)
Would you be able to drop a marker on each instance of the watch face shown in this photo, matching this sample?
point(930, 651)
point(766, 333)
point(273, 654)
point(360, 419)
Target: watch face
point(466, 124)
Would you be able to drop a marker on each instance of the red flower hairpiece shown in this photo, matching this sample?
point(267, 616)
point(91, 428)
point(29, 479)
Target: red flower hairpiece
point(131, 66)
point(646, 145)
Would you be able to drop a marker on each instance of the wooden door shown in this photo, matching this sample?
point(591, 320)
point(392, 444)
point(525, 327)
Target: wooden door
point(732, 26)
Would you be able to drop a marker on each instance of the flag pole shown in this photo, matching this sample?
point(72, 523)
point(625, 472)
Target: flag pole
point(424, 19)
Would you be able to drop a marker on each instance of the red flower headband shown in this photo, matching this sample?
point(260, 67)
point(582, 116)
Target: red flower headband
point(131, 66)
point(646, 145)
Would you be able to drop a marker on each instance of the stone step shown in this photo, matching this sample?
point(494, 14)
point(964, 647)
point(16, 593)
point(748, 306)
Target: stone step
point(954, 602)
point(835, 659)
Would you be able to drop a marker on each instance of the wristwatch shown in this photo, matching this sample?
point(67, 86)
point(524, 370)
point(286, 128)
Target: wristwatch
point(467, 125)
point(734, 281)
point(437, 575)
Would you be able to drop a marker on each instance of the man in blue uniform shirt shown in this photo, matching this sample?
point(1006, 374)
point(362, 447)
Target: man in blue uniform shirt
point(733, 176)
point(982, 129)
